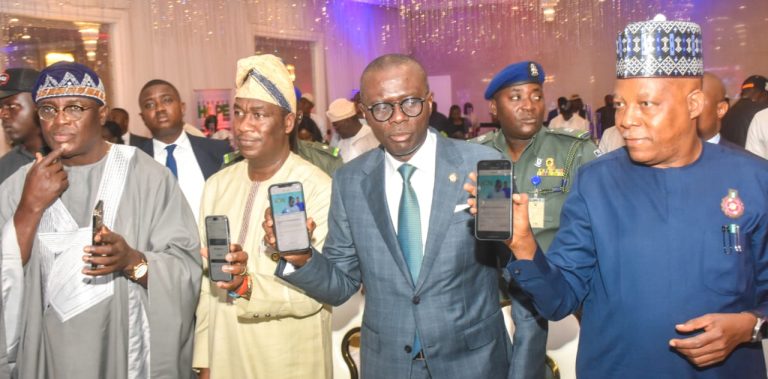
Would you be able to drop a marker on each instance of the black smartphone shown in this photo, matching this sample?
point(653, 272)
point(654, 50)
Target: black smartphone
point(290, 217)
point(217, 236)
point(495, 186)
point(96, 225)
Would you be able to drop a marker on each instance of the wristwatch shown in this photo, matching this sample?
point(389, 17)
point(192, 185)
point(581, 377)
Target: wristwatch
point(137, 272)
point(761, 327)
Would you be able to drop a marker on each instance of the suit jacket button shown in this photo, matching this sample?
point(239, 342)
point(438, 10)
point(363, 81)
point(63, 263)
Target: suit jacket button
point(408, 349)
point(416, 299)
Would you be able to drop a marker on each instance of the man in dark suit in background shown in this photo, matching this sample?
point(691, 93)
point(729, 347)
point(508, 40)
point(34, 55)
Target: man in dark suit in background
point(399, 225)
point(715, 107)
point(753, 99)
point(191, 159)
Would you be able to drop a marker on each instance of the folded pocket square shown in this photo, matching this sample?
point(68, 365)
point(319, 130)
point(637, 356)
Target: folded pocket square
point(460, 208)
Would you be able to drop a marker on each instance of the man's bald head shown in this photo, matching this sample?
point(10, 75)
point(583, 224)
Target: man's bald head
point(715, 106)
point(389, 61)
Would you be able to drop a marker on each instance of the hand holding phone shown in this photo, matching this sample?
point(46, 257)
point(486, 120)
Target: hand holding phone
point(289, 217)
point(495, 186)
point(217, 238)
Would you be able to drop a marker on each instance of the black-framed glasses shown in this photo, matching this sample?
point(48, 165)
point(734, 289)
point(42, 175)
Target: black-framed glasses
point(410, 106)
point(72, 112)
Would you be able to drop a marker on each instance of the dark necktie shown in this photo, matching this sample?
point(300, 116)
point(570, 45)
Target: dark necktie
point(170, 161)
point(409, 232)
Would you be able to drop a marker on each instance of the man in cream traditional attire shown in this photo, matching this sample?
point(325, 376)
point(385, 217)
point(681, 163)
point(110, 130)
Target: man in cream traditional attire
point(74, 310)
point(262, 327)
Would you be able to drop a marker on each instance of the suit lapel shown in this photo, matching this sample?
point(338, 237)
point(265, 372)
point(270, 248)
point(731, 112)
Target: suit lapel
point(444, 199)
point(198, 148)
point(374, 188)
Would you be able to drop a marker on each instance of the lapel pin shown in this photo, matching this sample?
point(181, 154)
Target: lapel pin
point(452, 177)
point(731, 204)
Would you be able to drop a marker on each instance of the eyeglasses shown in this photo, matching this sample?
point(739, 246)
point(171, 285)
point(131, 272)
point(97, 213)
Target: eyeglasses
point(410, 106)
point(71, 112)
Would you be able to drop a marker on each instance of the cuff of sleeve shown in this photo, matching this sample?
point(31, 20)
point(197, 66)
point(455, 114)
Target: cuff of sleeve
point(525, 270)
point(12, 283)
point(200, 357)
point(286, 269)
point(289, 269)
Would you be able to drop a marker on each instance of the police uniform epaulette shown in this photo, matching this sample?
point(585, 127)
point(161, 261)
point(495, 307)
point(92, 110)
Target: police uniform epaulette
point(231, 158)
point(483, 139)
point(575, 133)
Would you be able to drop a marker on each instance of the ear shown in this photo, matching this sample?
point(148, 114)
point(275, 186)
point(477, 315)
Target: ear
point(363, 110)
point(183, 109)
point(492, 106)
point(430, 98)
point(695, 101)
point(289, 121)
point(103, 113)
point(722, 109)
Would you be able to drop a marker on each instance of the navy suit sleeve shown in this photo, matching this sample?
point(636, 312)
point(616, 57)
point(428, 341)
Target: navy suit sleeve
point(559, 281)
point(334, 276)
point(760, 251)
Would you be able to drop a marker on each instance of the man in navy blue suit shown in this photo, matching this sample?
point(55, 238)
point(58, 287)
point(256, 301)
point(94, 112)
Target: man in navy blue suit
point(190, 158)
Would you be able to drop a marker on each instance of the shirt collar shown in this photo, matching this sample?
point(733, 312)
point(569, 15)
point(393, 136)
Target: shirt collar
point(181, 142)
point(715, 139)
point(423, 159)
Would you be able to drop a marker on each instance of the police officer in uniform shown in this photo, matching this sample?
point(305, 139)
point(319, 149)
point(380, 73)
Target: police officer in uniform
point(544, 162)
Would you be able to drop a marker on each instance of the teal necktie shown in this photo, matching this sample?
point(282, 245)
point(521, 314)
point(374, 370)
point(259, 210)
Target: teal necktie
point(409, 232)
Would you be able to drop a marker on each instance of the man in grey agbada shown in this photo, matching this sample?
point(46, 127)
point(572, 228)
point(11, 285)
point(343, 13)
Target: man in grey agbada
point(76, 297)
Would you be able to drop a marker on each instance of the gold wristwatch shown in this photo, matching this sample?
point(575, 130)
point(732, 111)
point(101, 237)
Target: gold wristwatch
point(137, 272)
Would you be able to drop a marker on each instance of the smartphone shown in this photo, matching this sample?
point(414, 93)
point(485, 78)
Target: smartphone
point(495, 186)
point(290, 217)
point(96, 225)
point(217, 237)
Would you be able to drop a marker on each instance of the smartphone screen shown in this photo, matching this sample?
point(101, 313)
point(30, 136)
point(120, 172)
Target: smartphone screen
point(494, 200)
point(217, 237)
point(290, 217)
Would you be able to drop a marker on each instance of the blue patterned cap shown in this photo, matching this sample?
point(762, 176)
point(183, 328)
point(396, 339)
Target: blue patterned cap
point(63, 79)
point(515, 74)
point(659, 48)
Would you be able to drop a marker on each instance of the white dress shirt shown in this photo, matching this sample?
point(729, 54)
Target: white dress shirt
point(191, 179)
point(352, 147)
point(715, 139)
point(422, 180)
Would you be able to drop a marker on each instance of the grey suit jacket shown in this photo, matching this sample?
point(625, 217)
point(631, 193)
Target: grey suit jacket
point(454, 304)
